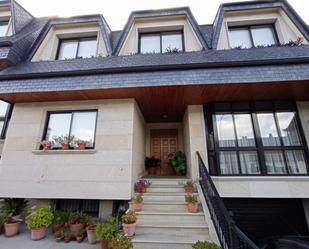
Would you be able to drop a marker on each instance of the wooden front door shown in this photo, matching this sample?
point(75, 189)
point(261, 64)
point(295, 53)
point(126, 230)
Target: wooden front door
point(162, 143)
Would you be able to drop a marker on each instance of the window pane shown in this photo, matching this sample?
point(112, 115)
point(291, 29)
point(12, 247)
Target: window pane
point(83, 126)
point(58, 125)
point(3, 108)
point(240, 37)
point(228, 162)
point(249, 162)
point(263, 36)
point(288, 128)
point(225, 129)
point(244, 130)
point(3, 29)
point(150, 43)
point(1, 126)
point(67, 50)
point(275, 162)
point(296, 162)
point(87, 48)
point(268, 129)
point(171, 42)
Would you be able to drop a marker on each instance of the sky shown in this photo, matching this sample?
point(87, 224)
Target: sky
point(116, 12)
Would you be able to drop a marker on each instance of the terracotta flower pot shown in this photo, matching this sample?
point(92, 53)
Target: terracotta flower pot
point(137, 207)
point(192, 208)
point(152, 171)
point(91, 236)
point(47, 147)
point(55, 227)
point(11, 229)
point(105, 244)
point(74, 228)
point(189, 189)
point(65, 146)
point(81, 146)
point(38, 233)
point(79, 239)
point(67, 239)
point(129, 229)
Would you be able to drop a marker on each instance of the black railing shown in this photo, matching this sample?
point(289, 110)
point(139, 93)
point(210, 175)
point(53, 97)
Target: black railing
point(230, 236)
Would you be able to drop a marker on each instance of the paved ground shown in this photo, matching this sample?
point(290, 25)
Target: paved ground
point(23, 241)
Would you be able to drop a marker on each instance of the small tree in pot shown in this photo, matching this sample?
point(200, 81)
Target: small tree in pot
point(77, 221)
point(15, 207)
point(60, 218)
point(104, 232)
point(90, 228)
point(151, 165)
point(121, 242)
point(178, 162)
point(192, 203)
point(38, 221)
point(129, 223)
point(137, 203)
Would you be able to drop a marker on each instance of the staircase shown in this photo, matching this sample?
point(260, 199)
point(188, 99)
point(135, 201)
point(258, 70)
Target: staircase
point(164, 222)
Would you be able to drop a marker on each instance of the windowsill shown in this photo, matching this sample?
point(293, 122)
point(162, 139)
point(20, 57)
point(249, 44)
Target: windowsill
point(63, 152)
point(261, 178)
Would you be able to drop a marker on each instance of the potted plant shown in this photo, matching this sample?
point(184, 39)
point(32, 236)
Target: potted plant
point(81, 144)
point(80, 235)
point(192, 203)
point(205, 245)
point(104, 232)
point(76, 222)
point(67, 236)
point(11, 226)
point(60, 218)
point(59, 235)
point(3, 218)
point(142, 185)
point(65, 141)
point(38, 221)
point(178, 162)
point(90, 228)
point(137, 203)
point(151, 165)
point(129, 223)
point(121, 242)
point(189, 187)
point(15, 207)
point(46, 144)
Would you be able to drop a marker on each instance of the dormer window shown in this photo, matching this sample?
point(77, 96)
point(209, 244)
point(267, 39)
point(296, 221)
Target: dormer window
point(161, 42)
point(252, 36)
point(3, 28)
point(77, 48)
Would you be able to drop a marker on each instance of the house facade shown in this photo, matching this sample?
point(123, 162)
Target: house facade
point(236, 91)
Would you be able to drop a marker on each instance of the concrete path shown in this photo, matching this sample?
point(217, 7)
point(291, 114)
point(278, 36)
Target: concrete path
point(23, 241)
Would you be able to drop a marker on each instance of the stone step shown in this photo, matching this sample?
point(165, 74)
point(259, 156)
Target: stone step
point(173, 197)
point(165, 206)
point(165, 189)
point(168, 181)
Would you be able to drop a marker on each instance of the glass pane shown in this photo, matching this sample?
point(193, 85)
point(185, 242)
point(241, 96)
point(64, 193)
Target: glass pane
point(3, 29)
point(171, 42)
point(296, 161)
point(1, 126)
point(67, 50)
point(3, 108)
point(58, 125)
point(263, 36)
point(150, 43)
point(249, 162)
point(268, 129)
point(275, 162)
point(225, 130)
point(228, 162)
point(240, 38)
point(244, 130)
point(288, 128)
point(83, 126)
point(87, 48)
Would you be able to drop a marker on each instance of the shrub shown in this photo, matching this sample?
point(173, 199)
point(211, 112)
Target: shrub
point(60, 217)
point(59, 233)
point(105, 231)
point(129, 218)
point(40, 218)
point(15, 206)
point(80, 232)
point(77, 218)
point(138, 199)
point(121, 242)
point(191, 199)
point(205, 245)
point(178, 162)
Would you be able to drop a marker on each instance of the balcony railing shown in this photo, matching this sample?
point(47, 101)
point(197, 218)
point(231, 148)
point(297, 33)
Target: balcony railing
point(230, 236)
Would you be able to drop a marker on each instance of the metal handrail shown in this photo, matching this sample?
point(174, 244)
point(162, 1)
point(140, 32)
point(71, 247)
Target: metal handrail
point(229, 235)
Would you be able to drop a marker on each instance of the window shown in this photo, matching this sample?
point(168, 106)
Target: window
point(254, 140)
point(80, 124)
point(3, 28)
point(4, 115)
point(252, 36)
point(161, 42)
point(77, 48)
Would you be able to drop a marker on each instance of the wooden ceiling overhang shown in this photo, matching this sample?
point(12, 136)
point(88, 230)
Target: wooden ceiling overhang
point(168, 103)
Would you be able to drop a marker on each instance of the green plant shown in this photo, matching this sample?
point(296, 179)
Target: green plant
point(77, 218)
point(178, 162)
point(63, 139)
point(105, 231)
point(205, 245)
point(189, 183)
point(59, 233)
point(152, 162)
point(121, 242)
point(115, 221)
point(191, 199)
point(80, 141)
point(60, 217)
point(40, 218)
point(80, 232)
point(15, 206)
point(129, 218)
point(4, 216)
point(138, 198)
